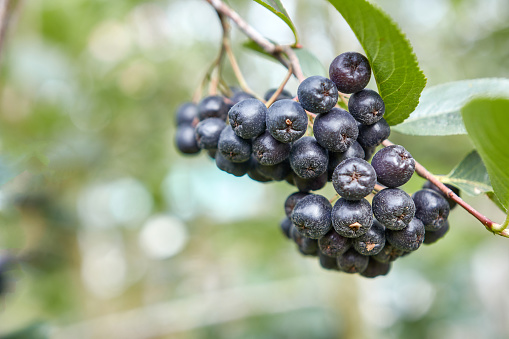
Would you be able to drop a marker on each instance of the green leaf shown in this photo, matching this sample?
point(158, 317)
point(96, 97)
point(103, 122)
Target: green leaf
point(497, 202)
point(309, 63)
point(470, 175)
point(438, 112)
point(399, 79)
point(486, 121)
point(276, 7)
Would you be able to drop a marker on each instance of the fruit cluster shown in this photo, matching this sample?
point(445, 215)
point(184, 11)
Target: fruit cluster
point(309, 141)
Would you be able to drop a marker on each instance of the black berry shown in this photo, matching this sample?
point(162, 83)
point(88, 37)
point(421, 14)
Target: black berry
point(276, 172)
point(312, 184)
point(317, 94)
point(283, 95)
point(376, 268)
point(352, 262)
point(336, 130)
point(431, 208)
point(185, 140)
point(354, 179)
point(408, 239)
point(327, 262)
point(186, 113)
point(312, 216)
point(286, 226)
point(371, 242)
point(335, 158)
point(247, 118)
point(433, 236)
point(352, 218)
point(350, 72)
point(452, 203)
point(208, 131)
point(269, 151)
point(394, 166)
point(333, 245)
point(394, 208)
point(292, 200)
point(366, 106)
point(233, 147)
point(373, 135)
point(307, 158)
point(286, 120)
point(212, 107)
point(238, 169)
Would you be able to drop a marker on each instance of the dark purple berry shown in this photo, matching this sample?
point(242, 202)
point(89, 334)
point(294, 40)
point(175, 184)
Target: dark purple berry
point(212, 107)
point(269, 151)
point(352, 218)
point(307, 246)
point(307, 158)
point(371, 242)
point(233, 147)
point(354, 179)
point(241, 96)
point(394, 208)
point(312, 216)
point(366, 106)
point(276, 172)
point(317, 94)
point(186, 113)
point(283, 95)
point(286, 120)
point(352, 262)
point(185, 140)
point(335, 158)
point(336, 130)
point(254, 171)
point(292, 200)
point(327, 262)
point(452, 203)
point(376, 268)
point(312, 184)
point(408, 239)
point(286, 226)
point(247, 118)
point(393, 165)
point(350, 72)
point(433, 236)
point(388, 253)
point(431, 208)
point(238, 169)
point(373, 135)
point(208, 131)
point(333, 245)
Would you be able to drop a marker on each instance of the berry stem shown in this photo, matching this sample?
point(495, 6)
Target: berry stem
point(277, 51)
point(280, 88)
point(490, 225)
point(7, 7)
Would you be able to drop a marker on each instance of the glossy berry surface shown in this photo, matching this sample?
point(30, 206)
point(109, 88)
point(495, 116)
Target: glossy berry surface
point(317, 94)
point(208, 131)
point(335, 158)
point(371, 242)
point(336, 130)
point(408, 239)
point(308, 159)
point(366, 106)
point(352, 218)
point(185, 140)
point(373, 135)
point(233, 147)
point(247, 118)
point(276, 172)
point(452, 203)
point(312, 216)
point(354, 179)
point(333, 245)
point(212, 107)
point(312, 184)
point(433, 236)
point(286, 120)
point(350, 72)
point(292, 200)
point(254, 171)
point(394, 165)
point(186, 113)
point(306, 246)
point(269, 151)
point(352, 262)
point(431, 208)
point(239, 96)
point(388, 253)
point(237, 169)
point(394, 208)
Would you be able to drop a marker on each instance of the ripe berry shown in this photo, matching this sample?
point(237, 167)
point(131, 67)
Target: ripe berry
point(286, 120)
point(373, 135)
point(254, 171)
point(269, 151)
point(433, 236)
point(354, 179)
point(352, 262)
point(352, 218)
point(238, 169)
point(247, 118)
point(233, 147)
point(241, 96)
point(186, 140)
point(368, 152)
point(408, 239)
point(283, 95)
point(292, 200)
point(452, 203)
point(276, 172)
point(307, 246)
point(350, 72)
point(394, 208)
point(312, 216)
point(376, 268)
point(286, 225)
point(394, 166)
point(312, 184)
point(327, 262)
point(212, 107)
point(333, 245)
point(336, 130)
point(366, 106)
point(208, 131)
point(317, 94)
point(186, 113)
point(431, 208)
point(335, 158)
point(307, 158)
point(371, 242)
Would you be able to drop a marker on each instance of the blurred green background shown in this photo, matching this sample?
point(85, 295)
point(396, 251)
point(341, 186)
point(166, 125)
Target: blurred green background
point(122, 237)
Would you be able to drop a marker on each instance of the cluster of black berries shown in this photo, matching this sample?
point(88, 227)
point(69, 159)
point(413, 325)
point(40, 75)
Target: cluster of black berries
point(354, 235)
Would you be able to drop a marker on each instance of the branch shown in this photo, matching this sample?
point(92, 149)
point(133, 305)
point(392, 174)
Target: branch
point(424, 173)
point(275, 50)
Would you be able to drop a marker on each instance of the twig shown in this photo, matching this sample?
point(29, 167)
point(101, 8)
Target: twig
point(6, 9)
point(280, 88)
point(424, 173)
